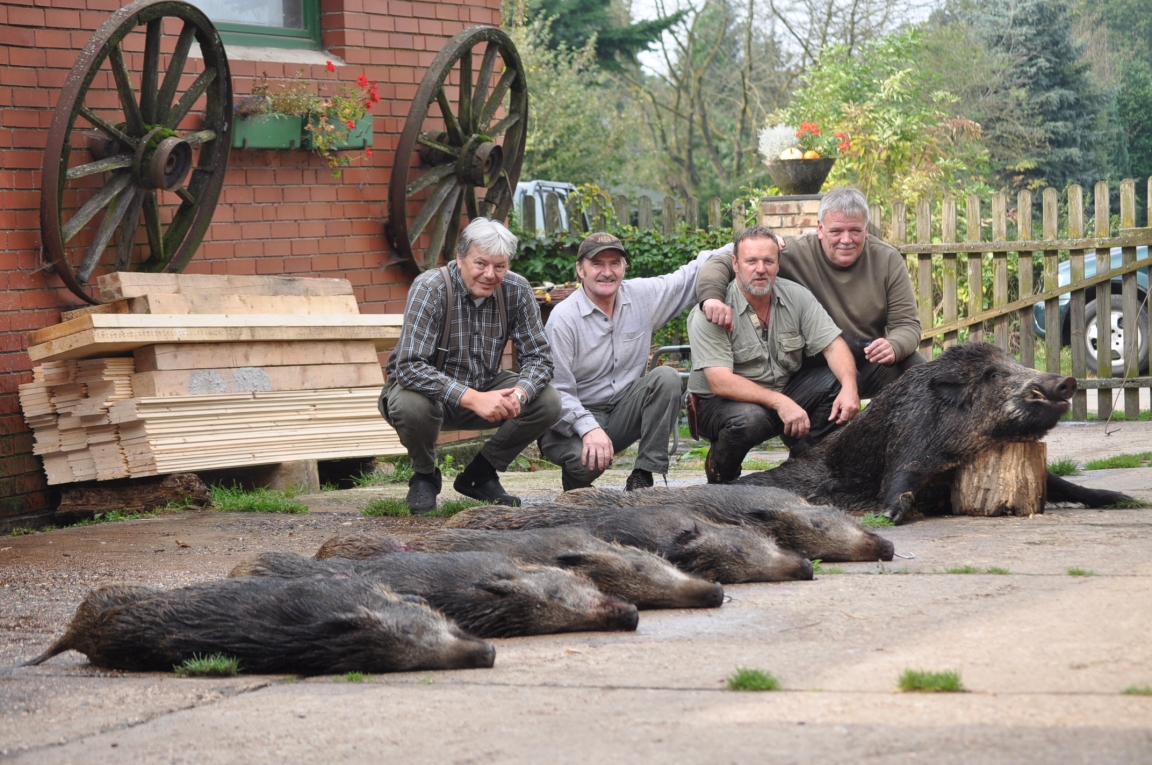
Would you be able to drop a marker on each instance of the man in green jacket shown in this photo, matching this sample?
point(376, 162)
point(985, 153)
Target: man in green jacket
point(859, 280)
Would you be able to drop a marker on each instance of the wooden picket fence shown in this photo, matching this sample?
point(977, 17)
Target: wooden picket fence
point(951, 295)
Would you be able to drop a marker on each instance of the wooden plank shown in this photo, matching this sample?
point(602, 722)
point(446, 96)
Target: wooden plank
point(528, 213)
point(1103, 211)
point(196, 321)
point(715, 214)
point(623, 209)
point(551, 213)
point(738, 217)
point(1077, 327)
point(1133, 237)
point(1027, 319)
point(949, 291)
point(1000, 267)
point(1051, 264)
point(668, 215)
point(192, 382)
point(116, 306)
point(116, 341)
point(155, 358)
point(644, 213)
point(924, 273)
point(975, 267)
point(1130, 301)
point(244, 304)
point(126, 284)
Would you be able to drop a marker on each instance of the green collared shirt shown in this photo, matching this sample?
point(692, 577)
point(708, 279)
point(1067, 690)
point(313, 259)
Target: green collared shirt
point(797, 325)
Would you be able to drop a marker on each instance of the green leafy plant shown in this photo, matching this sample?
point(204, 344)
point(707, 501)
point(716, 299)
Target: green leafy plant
point(746, 679)
point(1138, 690)
point(875, 519)
point(930, 682)
point(1064, 467)
point(998, 570)
point(22, 531)
point(113, 515)
point(1077, 571)
point(233, 499)
point(818, 568)
point(1120, 461)
point(213, 665)
point(962, 570)
point(350, 677)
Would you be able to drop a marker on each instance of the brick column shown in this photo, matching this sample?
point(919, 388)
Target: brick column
point(790, 215)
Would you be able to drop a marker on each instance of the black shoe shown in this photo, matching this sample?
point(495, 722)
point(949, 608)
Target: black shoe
point(570, 483)
point(639, 479)
point(422, 491)
point(491, 492)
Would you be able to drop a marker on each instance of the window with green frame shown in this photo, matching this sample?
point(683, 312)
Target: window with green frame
point(275, 23)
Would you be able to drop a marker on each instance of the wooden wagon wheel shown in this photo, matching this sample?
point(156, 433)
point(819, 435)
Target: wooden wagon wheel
point(444, 157)
point(134, 161)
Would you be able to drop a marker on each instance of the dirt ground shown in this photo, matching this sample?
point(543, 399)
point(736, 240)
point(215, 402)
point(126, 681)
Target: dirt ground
point(1044, 655)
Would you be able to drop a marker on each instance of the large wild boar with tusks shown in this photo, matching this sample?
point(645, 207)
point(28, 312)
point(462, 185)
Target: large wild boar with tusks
point(908, 442)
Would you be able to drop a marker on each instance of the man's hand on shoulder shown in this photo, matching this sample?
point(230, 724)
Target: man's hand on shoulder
point(718, 312)
point(493, 405)
point(598, 450)
point(880, 351)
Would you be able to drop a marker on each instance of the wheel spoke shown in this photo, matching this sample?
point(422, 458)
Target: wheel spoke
point(430, 208)
point(184, 194)
point(112, 132)
point(134, 122)
point(454, 132)
point(470, 203)
point(112, 217)
point(466, 92)
point(99, 166)
point(503, 125)
point(172, 76)
point(199, 137)
point(454, 218)
point(440, 230)
point(180, 111)
point(435, 175)
point(152, 226)
point(151, 74)
point(128, 233)
point(94, 205)
point(497, 98)
point(484, 80)
point(451, 151)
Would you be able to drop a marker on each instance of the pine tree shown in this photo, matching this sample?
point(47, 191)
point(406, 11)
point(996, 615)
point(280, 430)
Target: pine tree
point(617, 43)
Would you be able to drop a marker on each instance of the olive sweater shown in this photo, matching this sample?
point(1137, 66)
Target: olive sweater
point(871, 298)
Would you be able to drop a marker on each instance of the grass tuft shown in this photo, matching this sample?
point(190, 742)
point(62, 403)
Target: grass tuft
point(111, 516)
point(1138, 690)
point(23, 531)
point(757, 464)
point(350, 677)
point(213, 665)
point(1121, 461)
point(1064, 467)
point(819, 570)
point(962, 570)
point(752, 680)
point(930, 682)
point(875, 519)
point(997, 570)
point(235, 500)
point(385, 507)
point(1076, 571)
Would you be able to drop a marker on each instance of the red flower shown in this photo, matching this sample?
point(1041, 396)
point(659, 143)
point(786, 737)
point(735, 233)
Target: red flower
point(351, 125)
point(368, 106)
point(362, 81)
point(330, 66)
point(368, 150)
point(808, 127)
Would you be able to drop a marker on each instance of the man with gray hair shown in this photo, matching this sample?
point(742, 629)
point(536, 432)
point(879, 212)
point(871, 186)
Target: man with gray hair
point(859, 280)
point(445, 371)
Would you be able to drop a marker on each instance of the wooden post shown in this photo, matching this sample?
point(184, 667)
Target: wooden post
point(1077, 326)
point(668, 215)
point(551, 213)
point(1051, 263)
point(924, 272)
point(948, 287)
point(692, 213)
point(1027, 318)
point(715, 214)
point(975, 268)
point(1130, 302)
point(528, 214)
point(1103, 318)
point(1000, 267)
point(1009, 478)
point(575, 216)
point(738, 218)
point(875, 220)
point(623, 209)
point(644, 213)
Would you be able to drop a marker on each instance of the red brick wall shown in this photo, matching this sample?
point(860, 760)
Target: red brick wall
point(280, 213)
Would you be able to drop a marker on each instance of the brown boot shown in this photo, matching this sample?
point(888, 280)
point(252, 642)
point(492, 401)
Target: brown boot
point(718, 470)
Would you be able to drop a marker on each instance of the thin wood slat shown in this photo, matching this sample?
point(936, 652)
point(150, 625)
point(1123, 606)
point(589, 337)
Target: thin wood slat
point(1103, 319)
point(975, 267)
point(1051, 264)
point(644, 213)
point(551, 213)
point(528, 213)
point(668, 215)
point(126, 284)
point(715, 214)
point(949, 305)
point(924, 273)
point(1076, 303)
point(1000, 267)
point(190, 382)
point(1130, 301)
point(1024, 232)
point(168, 357)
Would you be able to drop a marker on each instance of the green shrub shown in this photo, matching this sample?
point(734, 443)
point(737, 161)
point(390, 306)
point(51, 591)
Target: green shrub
point(214, 665)
point(752, 680)
point(1064, 467)
point(931, 682)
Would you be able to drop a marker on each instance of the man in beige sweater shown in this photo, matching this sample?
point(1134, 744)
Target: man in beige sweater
point(859, 280)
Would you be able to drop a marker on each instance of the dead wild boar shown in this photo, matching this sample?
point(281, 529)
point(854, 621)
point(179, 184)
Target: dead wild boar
point(904, 447)
point(486, 593)
point(312, 625)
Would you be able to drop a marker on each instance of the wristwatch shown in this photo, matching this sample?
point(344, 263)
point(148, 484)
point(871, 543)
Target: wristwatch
point(520, 397)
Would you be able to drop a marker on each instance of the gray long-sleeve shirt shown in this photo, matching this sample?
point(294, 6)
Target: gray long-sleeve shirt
point(597, 358)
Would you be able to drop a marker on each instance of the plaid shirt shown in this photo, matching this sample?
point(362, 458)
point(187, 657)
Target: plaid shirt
point(474, 339)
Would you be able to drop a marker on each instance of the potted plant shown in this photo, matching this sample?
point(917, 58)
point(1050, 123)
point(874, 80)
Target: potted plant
point(288, 115)
point(799, 159)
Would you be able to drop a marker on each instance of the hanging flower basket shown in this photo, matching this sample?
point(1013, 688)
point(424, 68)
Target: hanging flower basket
point(800, 176)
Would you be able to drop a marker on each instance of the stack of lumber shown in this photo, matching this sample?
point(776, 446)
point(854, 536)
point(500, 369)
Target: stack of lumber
point(179, 373)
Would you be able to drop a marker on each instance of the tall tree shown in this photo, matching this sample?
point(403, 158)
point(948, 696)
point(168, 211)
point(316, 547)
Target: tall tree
point(618, 39)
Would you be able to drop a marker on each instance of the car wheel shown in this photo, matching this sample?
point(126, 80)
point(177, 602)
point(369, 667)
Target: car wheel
point(1116, 349)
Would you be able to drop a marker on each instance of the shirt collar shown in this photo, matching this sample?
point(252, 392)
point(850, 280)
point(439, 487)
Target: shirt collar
point(587, 306)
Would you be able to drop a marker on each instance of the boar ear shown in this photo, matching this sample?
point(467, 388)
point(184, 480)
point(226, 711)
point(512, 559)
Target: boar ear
point(499, 587)
point(952, 391)
point(687, 536)
point(573, 559)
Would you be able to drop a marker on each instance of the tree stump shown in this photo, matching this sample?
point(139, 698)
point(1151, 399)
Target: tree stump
point(140, 495)
point(1009, 479)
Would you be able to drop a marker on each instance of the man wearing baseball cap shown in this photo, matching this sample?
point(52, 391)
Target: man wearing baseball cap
point(600, 337)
